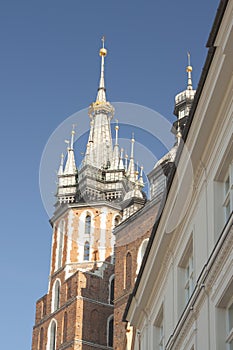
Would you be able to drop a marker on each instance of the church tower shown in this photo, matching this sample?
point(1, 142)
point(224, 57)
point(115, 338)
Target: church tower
point(77, 311)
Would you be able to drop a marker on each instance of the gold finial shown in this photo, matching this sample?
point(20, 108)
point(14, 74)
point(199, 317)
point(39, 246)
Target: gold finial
point(189, 68)
point(103, 51)
point(116, 126)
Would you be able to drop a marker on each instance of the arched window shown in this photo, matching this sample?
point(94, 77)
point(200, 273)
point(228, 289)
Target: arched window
point(41, 339)
point(86, 251)
point(128, 270)
point(60, 237)
point(111, 289)
point(117, 220)
point(110, 331)
point(95, 326)
point(56, 296)
point(88, 225)
point(65, 322)
point(141, 253)
point(52, 332)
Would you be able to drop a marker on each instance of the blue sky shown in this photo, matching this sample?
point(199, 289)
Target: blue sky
point(49, 70)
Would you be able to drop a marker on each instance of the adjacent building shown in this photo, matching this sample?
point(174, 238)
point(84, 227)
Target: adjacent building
point(183, 296)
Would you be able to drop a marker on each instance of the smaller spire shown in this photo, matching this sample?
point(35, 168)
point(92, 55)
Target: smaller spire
point(116, 150)
point(60, 171)
point(126, 162)
point(189, 69)
point(70, 167)
point(141, 183)
point(121, 164)
point(131, 168)
point(116, 129)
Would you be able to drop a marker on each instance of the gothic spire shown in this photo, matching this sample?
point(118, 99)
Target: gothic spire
point(101, 112)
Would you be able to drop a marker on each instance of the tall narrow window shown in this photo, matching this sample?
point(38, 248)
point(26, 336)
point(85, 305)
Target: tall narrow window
point(41, 340)
point(52, 336)
point(186, 276)
point(111, 290)
point(86, 251)
point(230, 326)
point(56, 296)
point(189, 283)
point(128, 270)
point(141, 253)
point(88, 225)
point(60, 237)
point(158, 331)
point(110, 331)
point(228, 193)
point(65, 322)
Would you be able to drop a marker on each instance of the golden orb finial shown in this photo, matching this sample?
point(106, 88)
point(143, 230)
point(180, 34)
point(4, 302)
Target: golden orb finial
point(103, 51)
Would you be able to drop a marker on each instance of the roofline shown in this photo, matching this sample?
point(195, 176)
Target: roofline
point(205, 70)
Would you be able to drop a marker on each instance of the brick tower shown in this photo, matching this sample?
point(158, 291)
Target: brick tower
point(77, 311)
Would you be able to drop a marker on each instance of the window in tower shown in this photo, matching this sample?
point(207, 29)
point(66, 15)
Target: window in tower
point(86, 251)
point(111, 289)
point(110, 331)
point(60, 238)
point(88, 225)
point(52, 332)
point(141, 252)
point(41, 339)
point(56, 296)
point(128, 270)
point(65, 323)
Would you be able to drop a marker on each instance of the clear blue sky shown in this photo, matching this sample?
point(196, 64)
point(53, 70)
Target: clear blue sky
point(49, 69)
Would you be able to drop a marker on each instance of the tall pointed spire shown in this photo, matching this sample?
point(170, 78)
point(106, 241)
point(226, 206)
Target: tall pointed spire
point(101, 95)
point(100, 112)
point(189, 69)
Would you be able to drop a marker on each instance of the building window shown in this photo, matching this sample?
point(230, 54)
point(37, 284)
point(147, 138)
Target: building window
point(52, 332)
point(86, 251)
point(111, 289)
point(186, 276)
point(141, 253)
point(159, 331)
point(56, 296)
point(229, 322)
point(228, 193)
point(41, 339)
point(88, 225)
point(110, 331)
point(189, 282)
point(128, 270)
point(117, 220)
point(60, 237)
point(65, 323)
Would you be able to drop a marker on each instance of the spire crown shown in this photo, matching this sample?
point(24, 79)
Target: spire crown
point(101, 95)
point(189, 69)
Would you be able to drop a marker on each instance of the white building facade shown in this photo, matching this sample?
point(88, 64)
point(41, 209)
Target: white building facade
point(183, 297)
